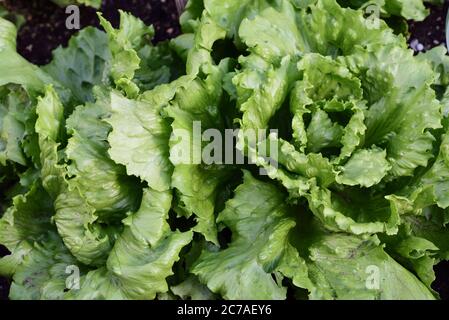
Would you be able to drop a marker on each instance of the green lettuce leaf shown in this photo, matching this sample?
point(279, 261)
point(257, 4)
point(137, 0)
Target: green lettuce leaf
point(260, 223)
point(140, 123)
point(83, 64)
point(141, 259)
point(192, 289)
point(27, 221)
point(44, 272)
point(14, 68)
point(429, 187)
point(104, 184)
point(16, 108)
point(124, 43)
point(346, 267)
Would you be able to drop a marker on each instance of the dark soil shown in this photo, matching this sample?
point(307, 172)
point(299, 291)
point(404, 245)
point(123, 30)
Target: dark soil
point(430, 32)
point(45, 30)
point(441, 284)
point(4, 283)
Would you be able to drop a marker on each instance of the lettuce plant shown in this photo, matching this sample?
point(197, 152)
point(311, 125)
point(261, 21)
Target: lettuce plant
point(354, 207)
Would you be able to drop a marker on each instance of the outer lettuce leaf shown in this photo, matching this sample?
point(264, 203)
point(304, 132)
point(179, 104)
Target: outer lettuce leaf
point(439, 62)
point(20, 83)
point(15, 110)
point(26, 222)
point(13, 67)
point(414, 9)
point(142, 258)
point(260, 224)
point(38, 260)
point(429, 187)
point(420, 255)
point(433, 229)
point(276, 30)
point(192, 289)
point(326, 34)
point(190, 15)
point(83, 64)
point(346, 267)
point(225, 17)
point(421, 243)
point(42, 274)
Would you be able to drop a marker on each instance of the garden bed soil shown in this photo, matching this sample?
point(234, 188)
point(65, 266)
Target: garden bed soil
point(44, 30)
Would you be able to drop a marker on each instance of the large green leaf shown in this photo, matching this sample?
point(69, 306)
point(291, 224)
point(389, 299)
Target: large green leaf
point(260, 223)
point(84, 63)
point(140, 135)
point(346, 267)
point(142, 257)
